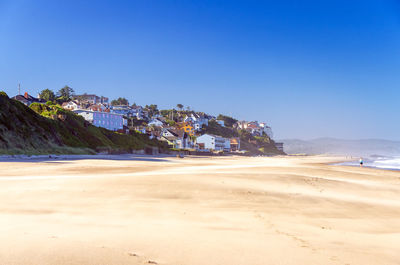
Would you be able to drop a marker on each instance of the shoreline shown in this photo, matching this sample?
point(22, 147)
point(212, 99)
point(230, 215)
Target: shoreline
point(342, 161)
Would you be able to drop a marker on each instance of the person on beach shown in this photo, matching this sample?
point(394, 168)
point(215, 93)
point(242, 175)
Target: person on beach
point(361, 162)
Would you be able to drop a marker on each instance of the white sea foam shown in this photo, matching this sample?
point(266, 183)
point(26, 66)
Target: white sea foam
point(391, 163)
point(378, 162)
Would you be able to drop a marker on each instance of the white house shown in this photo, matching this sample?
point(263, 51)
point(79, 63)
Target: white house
point(156, 122)
point(214, 142)
point(110, 121)
point(70, 105)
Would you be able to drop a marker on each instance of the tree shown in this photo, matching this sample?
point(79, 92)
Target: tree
point(152, 109)
point(179, 106)
point(65, 94)
point(119, 101)
point(47, 95)
point(228, 121)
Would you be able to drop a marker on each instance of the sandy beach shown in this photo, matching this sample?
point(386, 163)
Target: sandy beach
point(192, 211)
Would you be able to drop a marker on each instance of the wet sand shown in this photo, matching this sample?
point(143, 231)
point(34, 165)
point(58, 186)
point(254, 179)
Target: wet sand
point(218, 210)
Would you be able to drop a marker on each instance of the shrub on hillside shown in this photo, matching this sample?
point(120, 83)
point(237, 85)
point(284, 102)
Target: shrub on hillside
point(215, 128)
point(38, 107)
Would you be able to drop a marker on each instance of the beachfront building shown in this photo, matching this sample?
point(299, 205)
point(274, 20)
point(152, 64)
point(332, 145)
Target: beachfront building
point(213, 142)
point(235, 144)
point(279, 146)
point(110, 121)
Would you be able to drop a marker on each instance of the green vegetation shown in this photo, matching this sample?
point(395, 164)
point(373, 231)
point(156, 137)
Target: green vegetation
point(170, 122)
point(47, 95)
point(65, 94)
point(44, 129)
point(152, 109)
point(120, 101)
point(215, 128)
point(229, 121)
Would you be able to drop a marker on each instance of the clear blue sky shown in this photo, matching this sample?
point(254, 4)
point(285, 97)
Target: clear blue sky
point(308, 68)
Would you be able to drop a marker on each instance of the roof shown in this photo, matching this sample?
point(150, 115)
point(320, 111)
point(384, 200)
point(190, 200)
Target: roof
point(66, 103)
point(213, 135)
point(252, 125)
point(170, 138)
point(87, 95)
point(20, 98)
point(28, 98)
point(171, 132)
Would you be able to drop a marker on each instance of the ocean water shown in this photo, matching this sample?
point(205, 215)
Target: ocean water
point(378, 162)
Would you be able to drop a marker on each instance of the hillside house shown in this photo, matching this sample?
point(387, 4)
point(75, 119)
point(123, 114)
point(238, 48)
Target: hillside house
point(125, 110)
point(187, 128)
point(99, 107)
point(110, 121)
point(155, 122)
point(170, 137)
point(91, 99)
point(70, 105)
point(28, 99)
point(176, 138)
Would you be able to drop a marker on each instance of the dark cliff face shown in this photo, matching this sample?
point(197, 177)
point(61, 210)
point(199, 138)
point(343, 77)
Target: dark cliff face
point(23, 130)
point(21, 127)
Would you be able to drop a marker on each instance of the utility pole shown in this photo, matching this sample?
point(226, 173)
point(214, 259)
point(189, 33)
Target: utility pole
point(19, 88)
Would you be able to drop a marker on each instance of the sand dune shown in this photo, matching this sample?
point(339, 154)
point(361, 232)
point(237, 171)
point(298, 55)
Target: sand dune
point(218, 210)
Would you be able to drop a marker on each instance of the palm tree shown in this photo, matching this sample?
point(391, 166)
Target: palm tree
point(179, 106)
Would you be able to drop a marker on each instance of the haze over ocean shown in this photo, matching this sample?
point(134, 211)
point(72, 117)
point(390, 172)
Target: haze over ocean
point(310, 69)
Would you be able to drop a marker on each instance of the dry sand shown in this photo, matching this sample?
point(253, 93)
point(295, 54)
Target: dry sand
point(219, 210)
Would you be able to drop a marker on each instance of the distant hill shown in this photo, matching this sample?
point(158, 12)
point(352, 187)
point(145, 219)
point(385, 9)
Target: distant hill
point(24, 131)
point(367, 147)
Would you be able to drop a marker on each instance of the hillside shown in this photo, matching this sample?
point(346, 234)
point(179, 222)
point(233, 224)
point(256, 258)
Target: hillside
point(255, 145)
point(367, 147)
point(23, 131)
